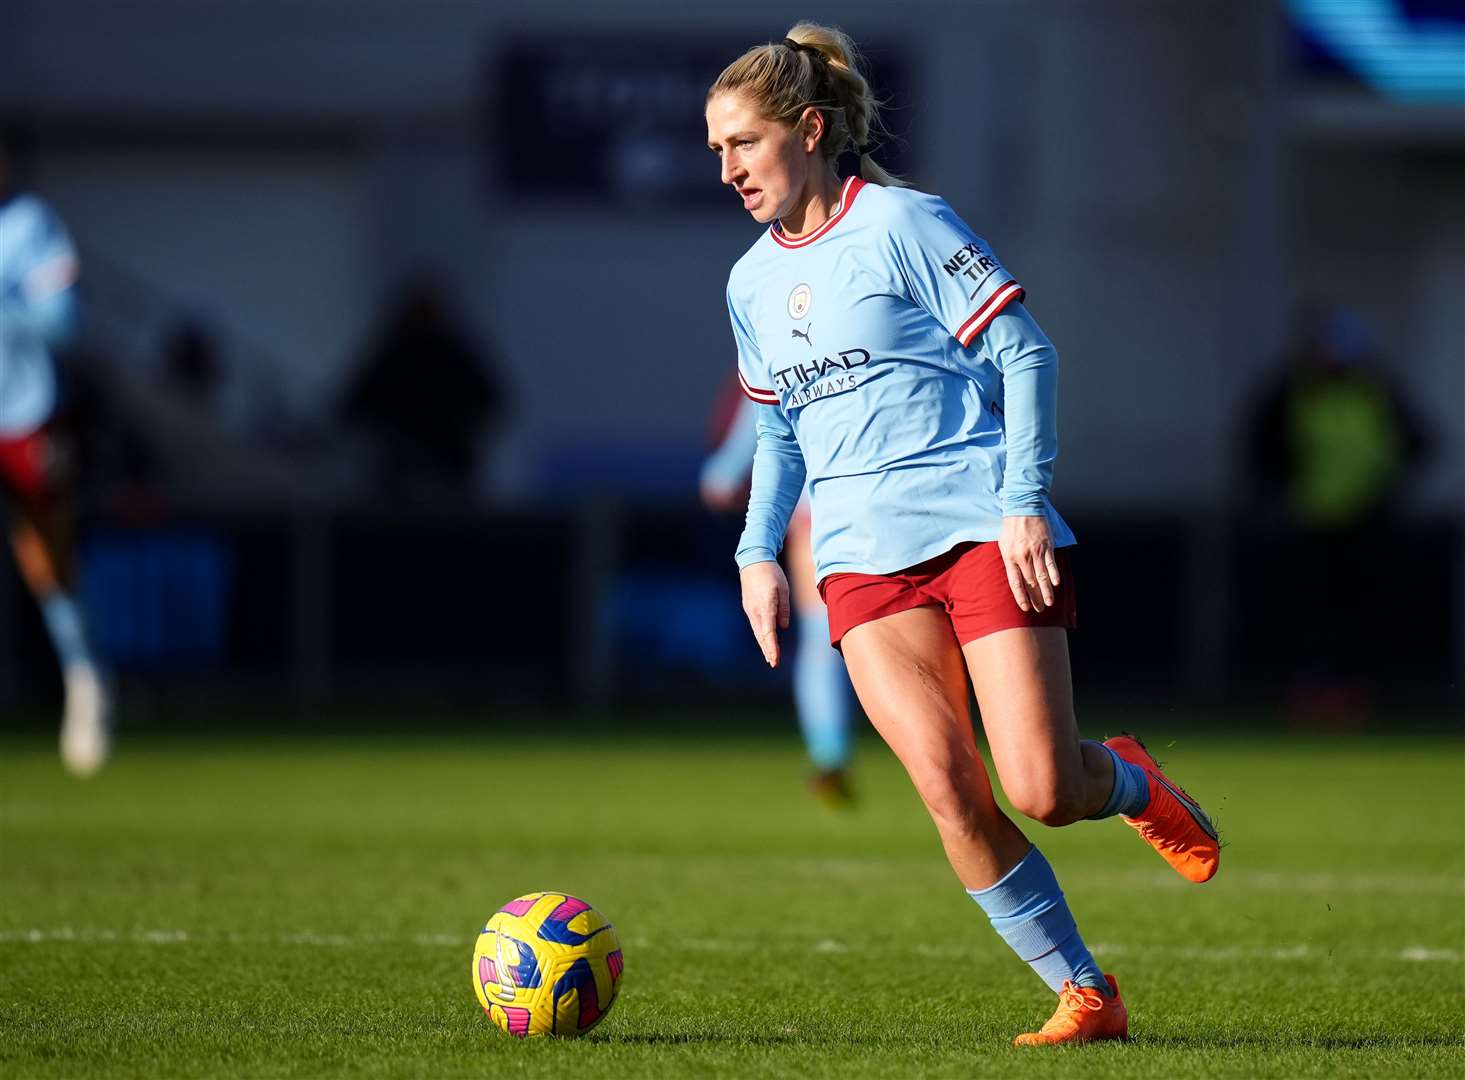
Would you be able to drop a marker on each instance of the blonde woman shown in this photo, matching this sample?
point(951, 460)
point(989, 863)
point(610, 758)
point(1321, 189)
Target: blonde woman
point(900, 375)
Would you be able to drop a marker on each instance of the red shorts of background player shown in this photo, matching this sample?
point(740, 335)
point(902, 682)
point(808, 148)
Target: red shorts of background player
point(35, 467)
point(969, 582)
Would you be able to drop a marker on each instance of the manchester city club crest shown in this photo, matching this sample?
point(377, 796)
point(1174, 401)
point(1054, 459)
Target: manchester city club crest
point(799, 301)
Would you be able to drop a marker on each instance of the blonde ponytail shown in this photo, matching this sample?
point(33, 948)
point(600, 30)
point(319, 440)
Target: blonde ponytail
point(819, 66)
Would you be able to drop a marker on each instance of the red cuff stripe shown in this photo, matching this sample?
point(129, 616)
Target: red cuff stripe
point(762, 397)
point(967, 332)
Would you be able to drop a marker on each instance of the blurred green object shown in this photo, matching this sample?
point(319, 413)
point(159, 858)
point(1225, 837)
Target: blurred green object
point(271, 907)
point(1348, 447)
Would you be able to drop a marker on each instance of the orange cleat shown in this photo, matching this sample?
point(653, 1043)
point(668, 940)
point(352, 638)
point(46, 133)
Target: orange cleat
point(832, 788)
point(1173, 824)
point(1084, 1015)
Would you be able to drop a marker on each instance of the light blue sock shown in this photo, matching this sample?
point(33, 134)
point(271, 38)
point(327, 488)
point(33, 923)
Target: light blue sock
point(1028, 910)
point(64, 624)
point(822, 693)
point(1131, 793)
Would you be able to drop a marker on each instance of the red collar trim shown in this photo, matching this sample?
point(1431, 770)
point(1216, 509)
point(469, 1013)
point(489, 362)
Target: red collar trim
point(846, 199)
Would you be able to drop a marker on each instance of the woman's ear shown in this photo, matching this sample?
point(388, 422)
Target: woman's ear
point(811, 128)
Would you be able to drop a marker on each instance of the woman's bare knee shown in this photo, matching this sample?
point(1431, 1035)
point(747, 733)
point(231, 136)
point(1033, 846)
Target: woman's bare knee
point(958, 800)
point(1047, 800)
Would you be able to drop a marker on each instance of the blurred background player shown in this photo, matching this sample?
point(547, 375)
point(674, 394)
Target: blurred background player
point(823, 696)
point(38, 273)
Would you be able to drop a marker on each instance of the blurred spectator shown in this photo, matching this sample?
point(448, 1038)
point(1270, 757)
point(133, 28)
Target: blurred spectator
point(426, 392)
point(1330, 442)
point(174, 438)
point(1330, 446)
point(191, 364)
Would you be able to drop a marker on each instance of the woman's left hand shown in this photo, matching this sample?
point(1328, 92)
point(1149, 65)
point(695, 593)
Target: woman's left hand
point(1032, 568)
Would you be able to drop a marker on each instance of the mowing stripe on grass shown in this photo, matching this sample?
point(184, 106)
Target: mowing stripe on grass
point(311, 938)
point(1289, 881)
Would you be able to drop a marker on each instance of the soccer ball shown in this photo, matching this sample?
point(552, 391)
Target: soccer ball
point(547, 964)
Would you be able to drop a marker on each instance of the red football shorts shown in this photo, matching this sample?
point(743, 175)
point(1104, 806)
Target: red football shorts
point(969, 581)
point(35, 467)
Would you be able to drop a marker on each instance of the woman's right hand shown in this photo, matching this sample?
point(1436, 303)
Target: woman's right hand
point(765, 602)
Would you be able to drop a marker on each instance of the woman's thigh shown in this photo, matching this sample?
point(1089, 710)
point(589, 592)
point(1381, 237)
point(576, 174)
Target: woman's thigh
point(1025, 694)
point(908, 671)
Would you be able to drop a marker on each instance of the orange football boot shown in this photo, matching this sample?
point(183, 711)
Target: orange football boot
point(832, 788)
point(1173, 824)
point(1084, 1015)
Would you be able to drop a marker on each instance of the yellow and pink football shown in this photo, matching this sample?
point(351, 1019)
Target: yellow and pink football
point(547, 964)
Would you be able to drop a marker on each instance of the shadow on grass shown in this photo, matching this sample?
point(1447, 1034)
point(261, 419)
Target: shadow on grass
point(708, 1038)
point(1298, 1042)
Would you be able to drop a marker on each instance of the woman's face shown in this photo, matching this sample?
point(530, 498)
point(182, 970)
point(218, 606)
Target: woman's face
point(765, 162)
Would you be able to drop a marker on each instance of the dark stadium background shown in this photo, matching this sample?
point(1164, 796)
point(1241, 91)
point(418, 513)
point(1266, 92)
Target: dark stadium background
point(1177, 185)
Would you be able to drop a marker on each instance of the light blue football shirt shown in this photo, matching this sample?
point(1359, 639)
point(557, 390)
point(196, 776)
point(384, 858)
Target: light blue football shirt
point(899, 378)
point(37, 270)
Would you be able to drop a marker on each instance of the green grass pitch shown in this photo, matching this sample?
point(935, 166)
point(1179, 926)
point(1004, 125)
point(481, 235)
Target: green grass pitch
point(248, 907)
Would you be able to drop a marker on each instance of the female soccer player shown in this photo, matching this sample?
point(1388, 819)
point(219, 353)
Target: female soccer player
point(38, 270)
point(901, 375)
point(822, 695)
